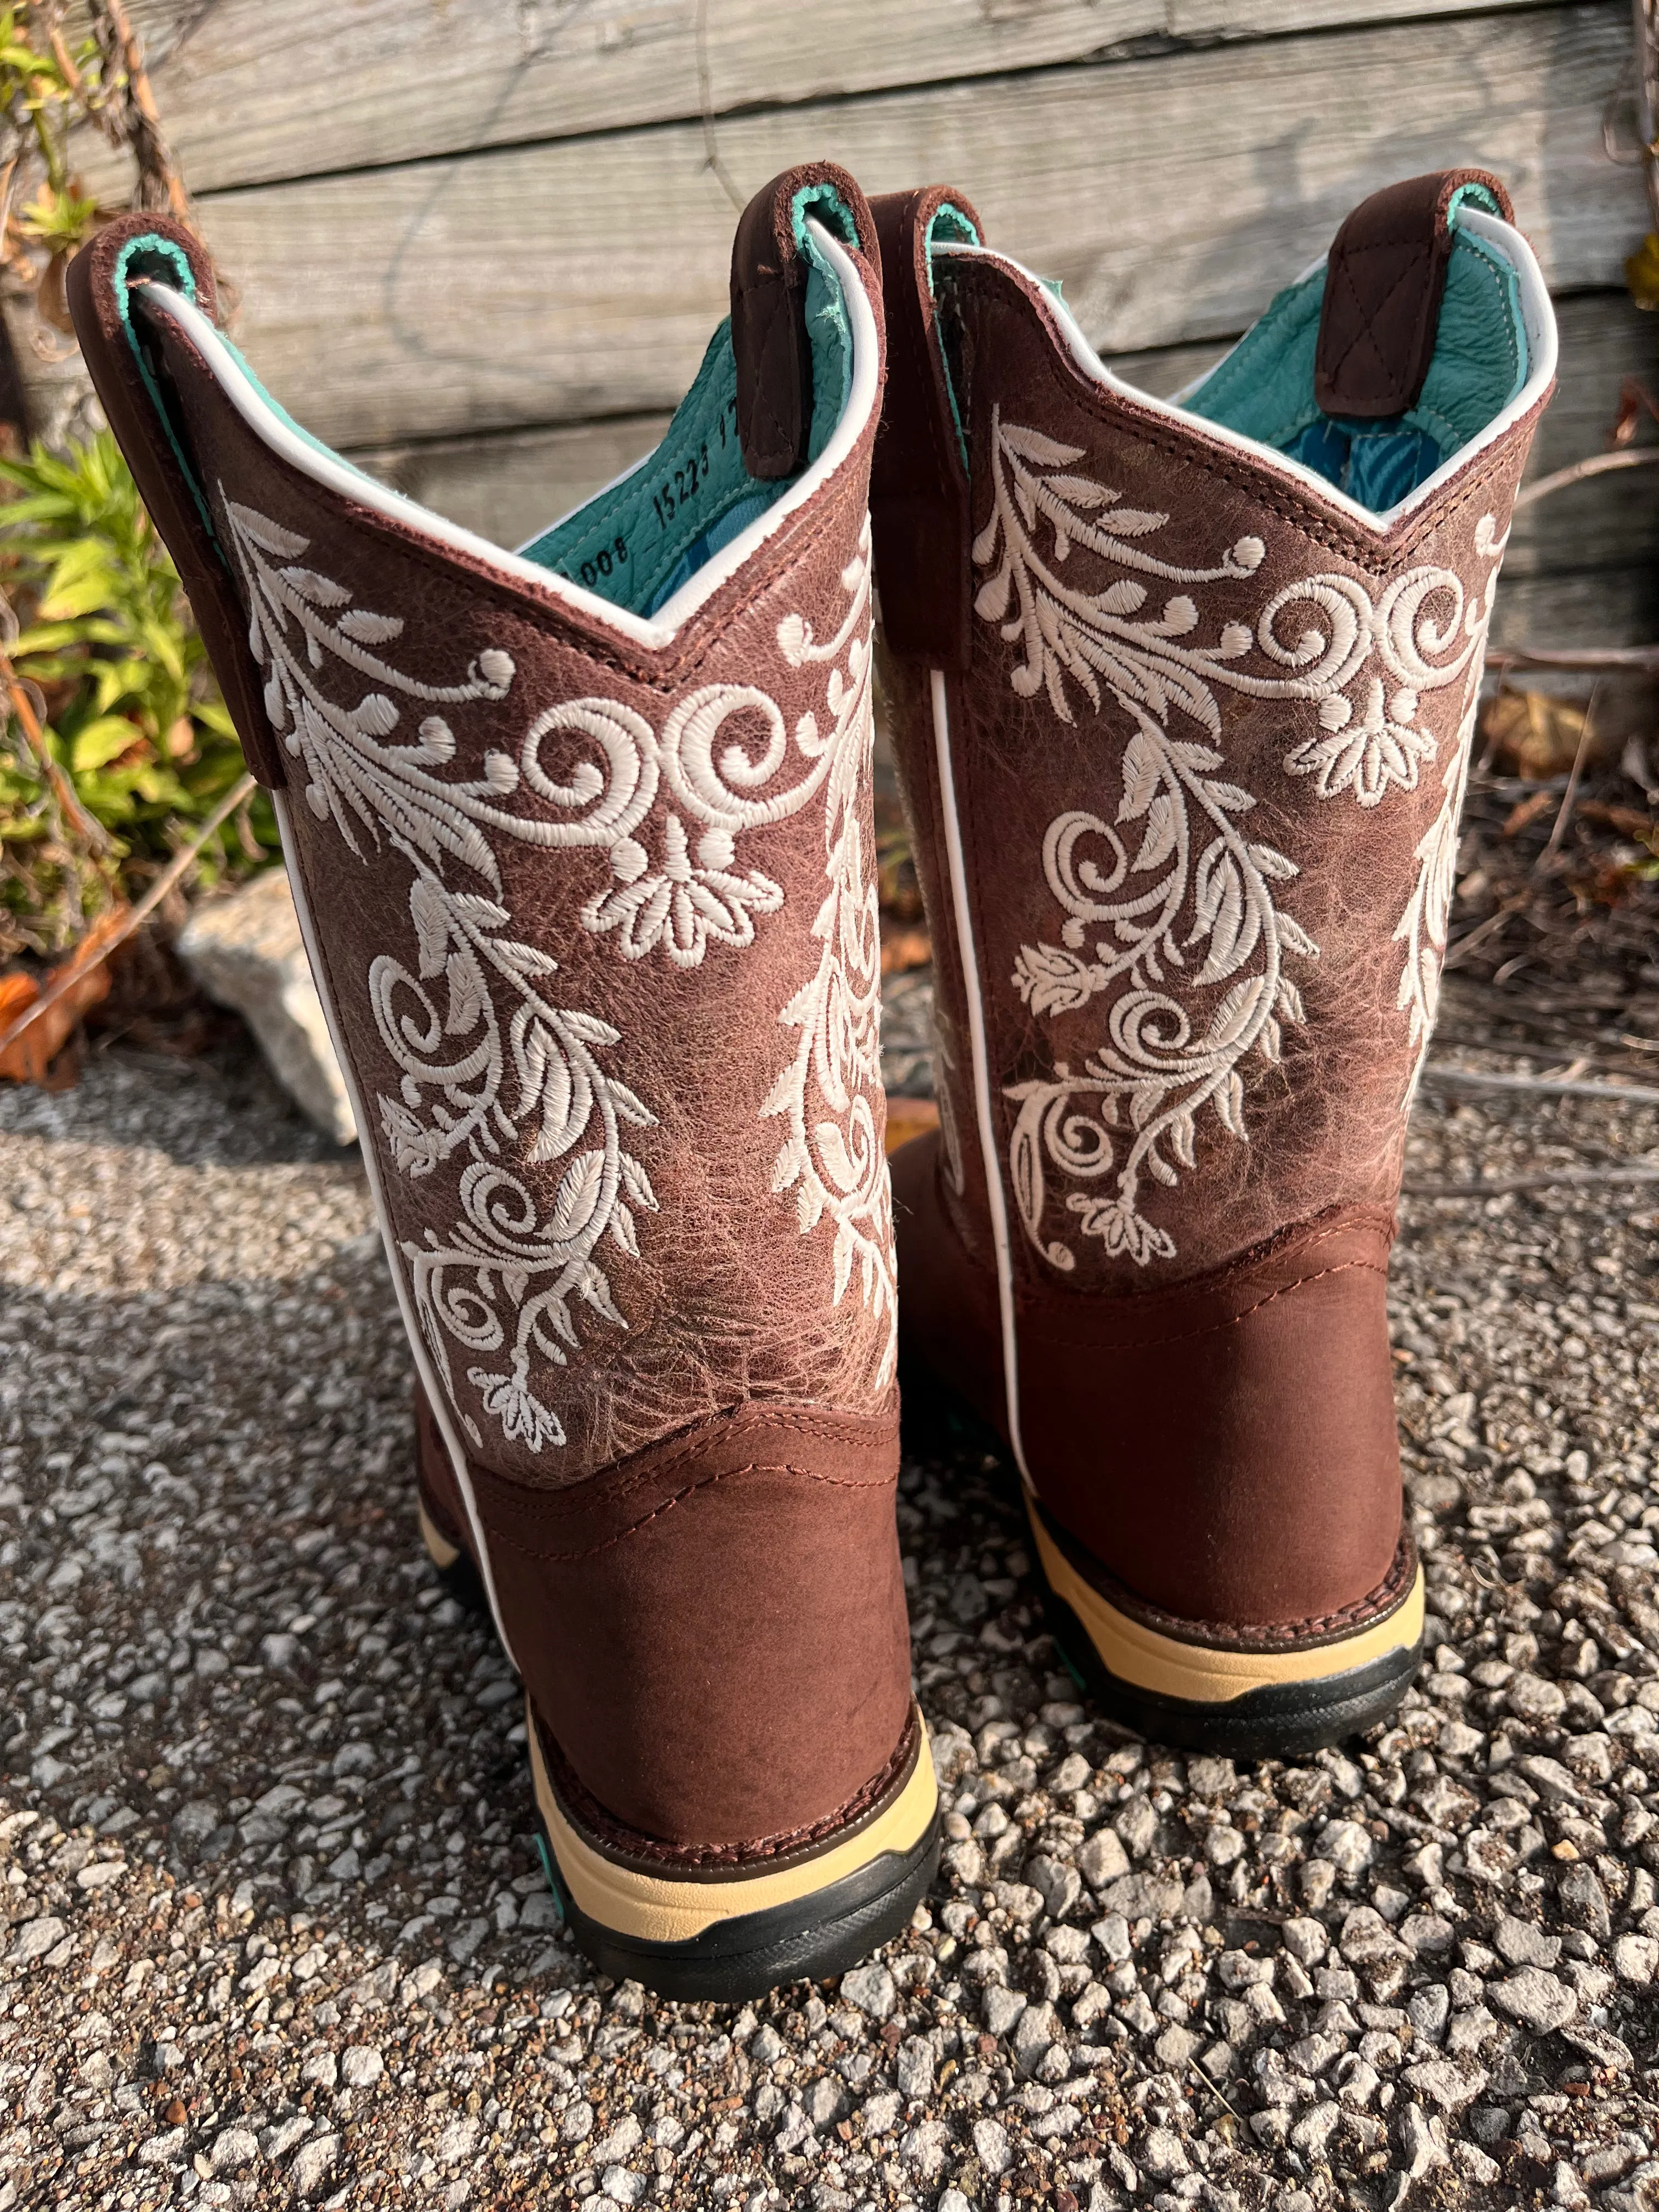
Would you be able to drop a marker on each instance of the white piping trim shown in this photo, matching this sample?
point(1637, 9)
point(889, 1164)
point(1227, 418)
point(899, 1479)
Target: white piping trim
point(980, 1053)
point(336, 475)
point(435, 1396)
point(1537, 314)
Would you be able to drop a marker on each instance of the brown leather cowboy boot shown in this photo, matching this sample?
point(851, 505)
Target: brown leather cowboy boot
point(1183, 696)
point(580, 839)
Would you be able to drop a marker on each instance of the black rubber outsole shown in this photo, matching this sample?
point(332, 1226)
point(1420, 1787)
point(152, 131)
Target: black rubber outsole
point(811, 1939)
point(1281, 1720)
point(462, 1579)
point(808, 1939)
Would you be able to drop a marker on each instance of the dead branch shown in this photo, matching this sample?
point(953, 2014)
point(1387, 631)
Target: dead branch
point(136, 916)
point(159, 182)
point(1545, 1086)
point(1596, 464)
point(1585, 660)
point(90, 831)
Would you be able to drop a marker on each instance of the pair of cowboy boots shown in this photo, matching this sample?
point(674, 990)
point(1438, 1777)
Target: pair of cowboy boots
point(580, 839)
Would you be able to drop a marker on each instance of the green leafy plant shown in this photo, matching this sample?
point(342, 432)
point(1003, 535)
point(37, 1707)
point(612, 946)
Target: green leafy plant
point(116, 748)
point(45, 86)
point(126, 708)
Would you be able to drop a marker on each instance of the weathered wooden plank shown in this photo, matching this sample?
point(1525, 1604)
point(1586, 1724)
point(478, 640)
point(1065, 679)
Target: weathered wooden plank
point(258, 90)
point(508, 487)
point(1597, 607)
point(571, 281)
point(1608, 522)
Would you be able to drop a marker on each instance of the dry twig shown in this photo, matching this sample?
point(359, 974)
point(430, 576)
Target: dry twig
point(1563, 813)
point(136, 916)
point(1581, 660)
point(1597, 464)
point(1545, 1086)
point(706, 100)
point(87, 827)
point(159, 182)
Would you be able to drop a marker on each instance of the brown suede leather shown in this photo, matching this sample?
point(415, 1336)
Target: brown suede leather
point(1383, 283)
point(595, 919)
point(769, 342)
point(712, 1630)
point(730, 1863)
point(728, 1299)
point(917, 485)
point(1377, 1605)
point(1225, 1447)
point(1207, 752)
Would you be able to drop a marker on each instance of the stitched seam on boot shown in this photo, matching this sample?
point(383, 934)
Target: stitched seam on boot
point(1396, 1583)
point(705, 1482)
point(1378, 1602)
point(591, 1815)
point(1380, 557)
point(1039, 1305)
point(770, 426)
point(1213, 1328)
point(570, 1502)
point(1368, 322)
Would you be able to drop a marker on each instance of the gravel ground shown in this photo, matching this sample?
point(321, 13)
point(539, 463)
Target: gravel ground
point(276, 1929)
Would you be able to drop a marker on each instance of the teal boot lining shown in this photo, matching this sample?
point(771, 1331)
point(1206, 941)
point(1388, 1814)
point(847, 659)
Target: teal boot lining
point(155, 257)
point(1264, 387)
point(637, 543)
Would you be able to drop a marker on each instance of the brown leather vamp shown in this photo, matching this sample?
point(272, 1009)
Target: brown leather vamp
point(715, 1629)
point(1226, 1449)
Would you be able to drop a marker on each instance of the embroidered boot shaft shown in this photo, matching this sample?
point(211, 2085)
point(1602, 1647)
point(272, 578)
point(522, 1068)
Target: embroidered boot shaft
point(1182, 697)
point(580, 839)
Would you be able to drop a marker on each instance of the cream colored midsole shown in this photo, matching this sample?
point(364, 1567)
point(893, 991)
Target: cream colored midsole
point(1137, 1654)
point(657, 1910)
point(444, 1553)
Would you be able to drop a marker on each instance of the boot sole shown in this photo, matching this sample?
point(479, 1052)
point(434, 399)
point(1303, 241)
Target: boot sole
point(1237, 1703)
point(745, 1934)
point(735, 1937)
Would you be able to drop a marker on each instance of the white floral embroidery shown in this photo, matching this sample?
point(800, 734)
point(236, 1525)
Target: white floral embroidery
point(488, 1060)
point(832, 1158)
point(1425, 923)
point(488, 1063)
point(1195, 888)
point(689, 898)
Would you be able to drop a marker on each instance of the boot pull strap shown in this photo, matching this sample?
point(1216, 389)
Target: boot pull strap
point(1383, 285)
point(770, 342)
point(123, 349)
point(919, 505)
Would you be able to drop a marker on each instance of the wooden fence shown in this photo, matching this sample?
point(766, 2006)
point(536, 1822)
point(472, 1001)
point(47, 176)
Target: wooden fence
point(480, 245)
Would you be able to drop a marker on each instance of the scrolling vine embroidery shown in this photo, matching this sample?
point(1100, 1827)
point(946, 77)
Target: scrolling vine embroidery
point(832, 1158)
point(1194, 906)
point(494, 1075)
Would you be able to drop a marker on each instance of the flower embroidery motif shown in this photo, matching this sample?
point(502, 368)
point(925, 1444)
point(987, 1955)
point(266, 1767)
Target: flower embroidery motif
point(1185, 903)
point(832, 1157)
point(1425, 923)
point(493, 1074)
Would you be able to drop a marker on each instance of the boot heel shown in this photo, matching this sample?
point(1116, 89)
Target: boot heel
point(721, 1932)
point(1241, 1700)
point(444, 1555)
